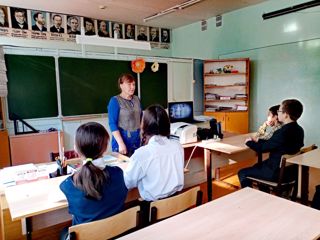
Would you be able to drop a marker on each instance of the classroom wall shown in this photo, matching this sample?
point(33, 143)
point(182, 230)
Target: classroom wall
point(284, 53)
point(180, 88)
point(245, 29)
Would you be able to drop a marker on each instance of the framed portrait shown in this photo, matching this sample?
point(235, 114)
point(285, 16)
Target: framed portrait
point(117, 30)
point(4, 16)
point(129, 31)
point(39, 21)
point(165, 35)
point(89, 26)
point(104, 28)
point(154, 34)
point(57, 23)
point(142, 33)
point(73, 24)
point(19, 18)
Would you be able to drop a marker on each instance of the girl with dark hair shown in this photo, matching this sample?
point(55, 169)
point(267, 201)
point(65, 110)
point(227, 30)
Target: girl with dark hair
point(95, 191)
point(124, 113)
point(156, 168)
point(272, 124)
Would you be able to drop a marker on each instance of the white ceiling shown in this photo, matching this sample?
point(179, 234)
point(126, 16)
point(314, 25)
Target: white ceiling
point(133, 11)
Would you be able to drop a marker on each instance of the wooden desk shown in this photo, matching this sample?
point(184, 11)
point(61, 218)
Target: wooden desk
point(31, 202)
point(229, 145)
point(306, 160)
point(247, 214)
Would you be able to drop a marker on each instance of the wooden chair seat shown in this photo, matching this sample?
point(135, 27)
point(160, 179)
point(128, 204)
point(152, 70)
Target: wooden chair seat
point(106, 228)
point(171, 206)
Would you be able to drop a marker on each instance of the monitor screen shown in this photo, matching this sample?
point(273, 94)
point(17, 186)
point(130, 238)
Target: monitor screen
point(181, 111)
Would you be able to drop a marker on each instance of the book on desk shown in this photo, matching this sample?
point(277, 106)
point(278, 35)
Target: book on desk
point(15, 175)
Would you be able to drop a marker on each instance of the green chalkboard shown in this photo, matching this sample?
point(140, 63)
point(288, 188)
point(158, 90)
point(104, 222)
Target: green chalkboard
point(32, 90)
point(154, 86)
point(87, 84)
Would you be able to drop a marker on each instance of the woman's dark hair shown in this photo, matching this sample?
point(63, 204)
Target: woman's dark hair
point(274, 110)
point(126, 77)
point(293, 108)
point(91, 142)
point(155, 121)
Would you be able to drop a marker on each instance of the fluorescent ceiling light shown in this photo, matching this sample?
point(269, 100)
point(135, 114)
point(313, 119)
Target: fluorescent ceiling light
point(291, 9)
point(172, 9)
point(159, 14)
point(111, 42)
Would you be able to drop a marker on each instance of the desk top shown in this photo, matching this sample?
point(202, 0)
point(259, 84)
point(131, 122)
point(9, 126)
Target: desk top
point(310, 159)
point(246, 214)
point(229, 145)
point(34, 198)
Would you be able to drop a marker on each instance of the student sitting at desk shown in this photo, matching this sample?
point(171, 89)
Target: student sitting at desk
point(287, 140)
point(95, 191)
point(272, 124)
point(156, 168)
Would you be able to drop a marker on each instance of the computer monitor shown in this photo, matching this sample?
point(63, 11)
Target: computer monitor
point(181, 111)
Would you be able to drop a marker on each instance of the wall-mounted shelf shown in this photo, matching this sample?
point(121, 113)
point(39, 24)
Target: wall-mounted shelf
point(226, 95)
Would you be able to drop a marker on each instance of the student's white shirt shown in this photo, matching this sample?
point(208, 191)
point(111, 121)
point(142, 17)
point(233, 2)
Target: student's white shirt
point(156, 168)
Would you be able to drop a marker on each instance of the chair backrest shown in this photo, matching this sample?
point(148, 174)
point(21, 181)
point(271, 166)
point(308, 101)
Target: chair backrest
point(67, 154)
point(106, 228)
point(173, 205)
point(284, 158)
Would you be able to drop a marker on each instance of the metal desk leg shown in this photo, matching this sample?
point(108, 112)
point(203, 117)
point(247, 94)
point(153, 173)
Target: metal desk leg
point(305, 185)
point(207, 155)
point(29, 228)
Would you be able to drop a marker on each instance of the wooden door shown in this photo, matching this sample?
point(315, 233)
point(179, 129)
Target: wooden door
point(237, 122)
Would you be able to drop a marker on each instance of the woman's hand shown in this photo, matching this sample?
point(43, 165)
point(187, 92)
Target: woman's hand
point(123, 149)
point(249, 139)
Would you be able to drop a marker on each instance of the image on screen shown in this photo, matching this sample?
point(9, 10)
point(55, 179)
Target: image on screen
point(181, 111)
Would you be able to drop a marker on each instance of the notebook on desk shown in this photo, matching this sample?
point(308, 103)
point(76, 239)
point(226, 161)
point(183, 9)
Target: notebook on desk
point(181, 112)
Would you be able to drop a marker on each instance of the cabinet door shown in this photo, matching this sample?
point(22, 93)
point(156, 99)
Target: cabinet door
point(4, 149)
point(237, 122)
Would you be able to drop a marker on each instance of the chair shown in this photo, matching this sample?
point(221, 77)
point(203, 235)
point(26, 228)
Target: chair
point(68, 155)
point(168, 207)
point(106, 228)
point(284, 184)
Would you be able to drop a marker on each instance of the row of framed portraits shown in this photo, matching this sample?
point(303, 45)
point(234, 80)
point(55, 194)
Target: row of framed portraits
point(35, 24)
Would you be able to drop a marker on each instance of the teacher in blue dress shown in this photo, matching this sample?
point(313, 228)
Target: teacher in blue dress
point(124, 112)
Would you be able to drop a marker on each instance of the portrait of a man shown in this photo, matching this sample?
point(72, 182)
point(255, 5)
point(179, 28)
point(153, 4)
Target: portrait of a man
point(103, 28)
point(130, 31)
point(89, 27)
point(142, 34)
point(3, 17)
point(39, 21)
point(154, 34)
point(73, 25)
point(19, 18)
point(117, 30)
point(57, 23)
point(165, 35)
